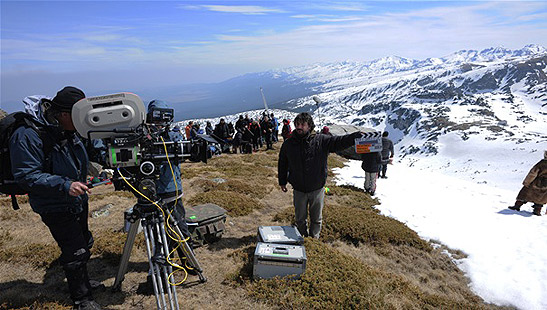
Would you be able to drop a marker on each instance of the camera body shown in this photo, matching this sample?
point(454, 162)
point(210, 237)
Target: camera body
point(133, 143)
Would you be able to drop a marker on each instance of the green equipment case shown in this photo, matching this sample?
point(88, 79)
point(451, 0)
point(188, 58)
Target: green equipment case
point(206, 223)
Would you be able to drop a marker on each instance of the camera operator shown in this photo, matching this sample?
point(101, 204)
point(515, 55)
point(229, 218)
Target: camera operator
point(55, 181)
point(169, 187)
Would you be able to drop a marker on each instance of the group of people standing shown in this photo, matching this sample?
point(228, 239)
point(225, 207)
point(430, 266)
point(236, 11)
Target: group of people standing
point(247, 135)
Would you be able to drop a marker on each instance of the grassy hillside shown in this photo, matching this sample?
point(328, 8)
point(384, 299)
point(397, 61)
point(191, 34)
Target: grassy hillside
point(363, 259)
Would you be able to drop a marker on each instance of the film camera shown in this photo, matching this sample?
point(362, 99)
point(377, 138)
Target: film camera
point(130, 138)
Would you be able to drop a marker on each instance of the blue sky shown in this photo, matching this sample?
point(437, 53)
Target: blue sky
point(130, 45)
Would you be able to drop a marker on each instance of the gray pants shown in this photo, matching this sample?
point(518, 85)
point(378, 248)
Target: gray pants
point(370, 181)
point(315, 200)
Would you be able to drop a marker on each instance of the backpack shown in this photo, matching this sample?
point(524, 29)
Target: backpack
point(8, 125)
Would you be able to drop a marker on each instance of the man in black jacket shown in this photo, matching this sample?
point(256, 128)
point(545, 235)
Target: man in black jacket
point(303, 163)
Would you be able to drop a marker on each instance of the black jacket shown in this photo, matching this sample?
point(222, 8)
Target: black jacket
point(221, 131)
point(303, 162)
point(371, 162)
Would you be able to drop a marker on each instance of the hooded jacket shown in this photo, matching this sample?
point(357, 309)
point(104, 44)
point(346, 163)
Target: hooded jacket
point(48, 179)
point(303, 160)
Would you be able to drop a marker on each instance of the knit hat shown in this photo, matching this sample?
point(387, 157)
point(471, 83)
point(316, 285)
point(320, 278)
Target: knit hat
point(66, 98)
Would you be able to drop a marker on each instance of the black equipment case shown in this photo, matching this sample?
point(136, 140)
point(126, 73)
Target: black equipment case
point(206, 223)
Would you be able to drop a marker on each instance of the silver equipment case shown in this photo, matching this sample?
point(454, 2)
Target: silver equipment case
point(279, 234)
point(271, 260)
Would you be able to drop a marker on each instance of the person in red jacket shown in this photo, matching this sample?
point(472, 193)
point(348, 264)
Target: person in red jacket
point(286, 130)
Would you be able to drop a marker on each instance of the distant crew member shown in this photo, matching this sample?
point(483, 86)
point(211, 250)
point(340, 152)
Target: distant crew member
point(387, 153)
point(535, 187)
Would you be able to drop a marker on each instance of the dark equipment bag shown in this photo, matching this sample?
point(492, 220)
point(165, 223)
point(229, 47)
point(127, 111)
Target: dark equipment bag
point(206, 223)
point(8, 125)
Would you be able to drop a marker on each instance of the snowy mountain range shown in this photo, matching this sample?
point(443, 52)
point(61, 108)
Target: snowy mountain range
point(495, 98)
point(498, 92)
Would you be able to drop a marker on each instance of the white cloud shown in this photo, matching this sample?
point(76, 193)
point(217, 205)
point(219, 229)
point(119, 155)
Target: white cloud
point(242, 9)
point(327, 18)
point(303, 16)
point(233, 38)
point(347, 6)
point(102, 37)
point(337, 20)
point(417, 34)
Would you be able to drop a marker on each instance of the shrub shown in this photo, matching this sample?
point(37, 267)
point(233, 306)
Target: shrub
point(35, 254)
point(252, 189)
point(333, 280)
point(96, 197)
point(351, 196)
point(5, 237)
point(357, 225)
point(109, 245)
point(235, 203)
point(335, 161)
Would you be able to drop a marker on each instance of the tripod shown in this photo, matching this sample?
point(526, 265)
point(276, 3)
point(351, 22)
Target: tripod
point(158, 249)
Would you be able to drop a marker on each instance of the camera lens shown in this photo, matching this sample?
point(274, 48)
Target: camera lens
point(147, 168)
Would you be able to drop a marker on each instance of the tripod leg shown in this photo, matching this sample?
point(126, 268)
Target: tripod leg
point(172, 288)
point(166, 270)
point(156, 278)
point(129, 241)
point(189, 253)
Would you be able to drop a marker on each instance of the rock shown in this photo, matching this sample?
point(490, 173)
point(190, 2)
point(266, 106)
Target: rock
point(102, 211)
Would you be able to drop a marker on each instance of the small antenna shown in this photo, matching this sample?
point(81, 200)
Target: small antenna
point(317, 102)
point(264, 99)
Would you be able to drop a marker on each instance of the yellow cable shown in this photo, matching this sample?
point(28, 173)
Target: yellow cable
point(177, 267)
point(179, 240)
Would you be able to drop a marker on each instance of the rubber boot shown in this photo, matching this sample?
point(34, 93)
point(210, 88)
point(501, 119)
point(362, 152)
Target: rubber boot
point(78, 285)
point(537, 209)
point(517, 205)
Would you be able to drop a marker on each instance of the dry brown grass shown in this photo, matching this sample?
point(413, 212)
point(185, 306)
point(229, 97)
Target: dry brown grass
point(235, 203)
point(109, 245)
point(40, 305)
point(35, 254)
point(334, 280)
point(236, 186)
point(365, 261)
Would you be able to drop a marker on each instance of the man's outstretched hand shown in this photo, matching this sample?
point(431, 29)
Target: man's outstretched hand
point(283, 188)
